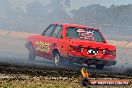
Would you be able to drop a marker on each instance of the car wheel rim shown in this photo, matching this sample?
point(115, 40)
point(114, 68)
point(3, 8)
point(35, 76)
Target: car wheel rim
point(57, 57)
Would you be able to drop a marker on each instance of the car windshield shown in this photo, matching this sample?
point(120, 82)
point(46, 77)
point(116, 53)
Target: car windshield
point(85, 34)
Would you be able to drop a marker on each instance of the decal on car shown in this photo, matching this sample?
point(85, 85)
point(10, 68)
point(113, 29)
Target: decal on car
point(84, 34)
point(42, 46)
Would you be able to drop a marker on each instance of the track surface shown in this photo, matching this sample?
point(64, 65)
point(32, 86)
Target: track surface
point(13, 59)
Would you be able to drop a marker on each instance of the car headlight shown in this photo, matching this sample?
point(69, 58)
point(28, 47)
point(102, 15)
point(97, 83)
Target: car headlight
point(109, 52)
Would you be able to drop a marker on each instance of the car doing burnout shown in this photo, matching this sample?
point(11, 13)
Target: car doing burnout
point(73, 43)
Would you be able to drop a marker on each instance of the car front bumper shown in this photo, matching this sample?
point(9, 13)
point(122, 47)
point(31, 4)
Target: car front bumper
point(91, 61)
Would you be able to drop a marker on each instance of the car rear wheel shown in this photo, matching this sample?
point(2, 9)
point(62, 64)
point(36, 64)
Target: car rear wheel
point(99, 67)
point(31, 55)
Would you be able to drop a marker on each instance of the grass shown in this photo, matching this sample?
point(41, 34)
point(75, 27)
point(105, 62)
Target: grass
point(38, 83)
point(42, 82)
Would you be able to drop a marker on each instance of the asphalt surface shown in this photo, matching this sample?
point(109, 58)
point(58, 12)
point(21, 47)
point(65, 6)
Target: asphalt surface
point(13, 51)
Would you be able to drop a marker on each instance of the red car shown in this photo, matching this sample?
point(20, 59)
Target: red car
point(72, 42)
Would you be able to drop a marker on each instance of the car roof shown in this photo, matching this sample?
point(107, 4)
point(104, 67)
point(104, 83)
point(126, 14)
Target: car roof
point(76, 25)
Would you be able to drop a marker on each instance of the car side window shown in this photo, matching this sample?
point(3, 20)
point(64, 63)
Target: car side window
point(98, 37)
point(57, 32)
point(49, 30)
point(72, 33)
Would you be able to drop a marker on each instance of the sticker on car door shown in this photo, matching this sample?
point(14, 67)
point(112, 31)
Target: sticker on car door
point(42, 46)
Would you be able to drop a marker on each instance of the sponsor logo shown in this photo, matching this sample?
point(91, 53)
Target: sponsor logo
point(86, 80)
point(93, 52)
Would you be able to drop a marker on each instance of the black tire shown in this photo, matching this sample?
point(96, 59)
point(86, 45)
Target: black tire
point(57, 58)
point(99, 67)
point(31, 55)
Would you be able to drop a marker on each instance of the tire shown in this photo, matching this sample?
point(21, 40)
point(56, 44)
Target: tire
point(31, 56)
point(99, 67)
point(57, 59)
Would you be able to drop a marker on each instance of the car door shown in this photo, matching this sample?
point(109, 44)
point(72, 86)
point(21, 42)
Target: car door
point(55, 40)
point(43, 44)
